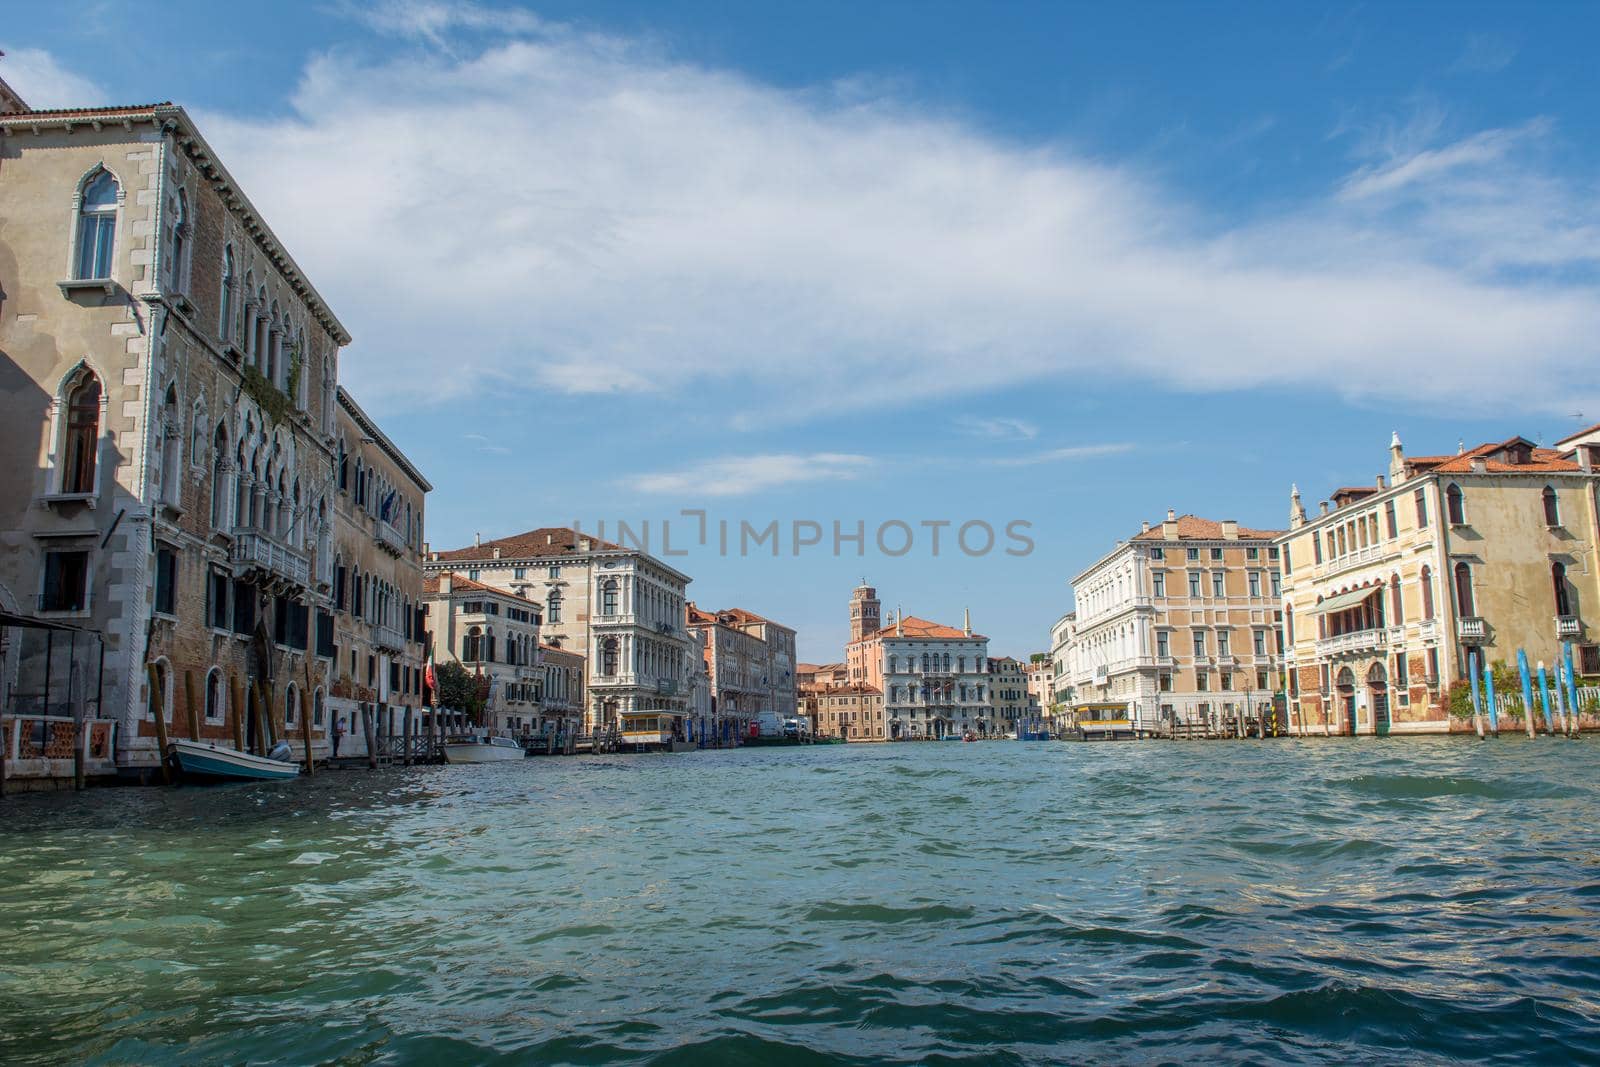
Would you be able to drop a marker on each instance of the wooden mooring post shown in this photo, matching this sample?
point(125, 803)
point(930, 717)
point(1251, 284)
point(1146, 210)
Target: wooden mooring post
point(154, 673)
point(188, 701)
point(305, 731)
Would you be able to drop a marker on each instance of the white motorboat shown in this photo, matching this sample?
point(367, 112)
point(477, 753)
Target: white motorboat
point(482, 749)
point(211, 762)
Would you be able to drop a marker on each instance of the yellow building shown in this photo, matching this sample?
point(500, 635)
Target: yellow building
point(1390, 586)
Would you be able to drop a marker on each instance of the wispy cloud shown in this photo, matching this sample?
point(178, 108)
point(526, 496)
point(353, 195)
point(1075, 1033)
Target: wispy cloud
point(570, 212)
point(1485, 53)
point(1062, 455)
point(740, 475)
point(434, 21)
point(485, 444)
point(43, 82)
point(999, 428)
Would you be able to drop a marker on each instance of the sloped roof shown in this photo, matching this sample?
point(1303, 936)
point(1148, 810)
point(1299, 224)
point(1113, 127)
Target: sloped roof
point(926, 630)
point(460, 583)
point(544, 542)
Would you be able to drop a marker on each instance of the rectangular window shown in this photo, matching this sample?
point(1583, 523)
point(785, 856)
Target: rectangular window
point(1288, 563)
point(1277, 585)
point(1158, 553)
point(1202, 681)
point(1389, 519)
point(66, 581)
point(1422, 508)
point(1218, 588)
point(473, 574)
point(555, 570)
point(1194, 584)
point(324, 635)
point(1159, 580)
point(1255, 583)
point(1261, 680)
point(1252, 553)
point(1163, 643)
point(338, 587)
point(1316, 548)
point(1401, 665)
point(1227, 681)
point(1259, 642)
point(244, 608)
point(1433, 665)
point(166, 581)
point(1216, 555)
point(1166, 683)
point(1193, 554)
point(218, 586)
point(1199, 642)
point(519, 572)
point(1224, 641)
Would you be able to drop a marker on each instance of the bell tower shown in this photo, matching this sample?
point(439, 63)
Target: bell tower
point(866, 613)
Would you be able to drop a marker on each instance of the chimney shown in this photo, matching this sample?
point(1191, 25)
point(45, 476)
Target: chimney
point(1586, 457)
point(1383, 483)
point(445, 584)
point(1480, 465)
point(1322, 508)
point(425, 548)
point(1169, 528)
point(1144, 527)
point(966, 621)
point(477, 540)
point(1230, 529)
point(497, 552)
point(583, 544)
point(549, 538)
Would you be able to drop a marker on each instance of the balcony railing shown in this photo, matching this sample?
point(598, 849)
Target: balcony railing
point(1352, 644)
point(1471, 628)
point(388, 538)
point(255, 550)
point(388, 637)
point(1568, 626)
point(1428, 629)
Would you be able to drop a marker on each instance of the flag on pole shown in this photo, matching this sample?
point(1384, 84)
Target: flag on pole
point(428, 675)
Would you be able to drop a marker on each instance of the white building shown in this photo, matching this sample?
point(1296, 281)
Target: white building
point(495, 635)
point(934, 679)
point(622, 607)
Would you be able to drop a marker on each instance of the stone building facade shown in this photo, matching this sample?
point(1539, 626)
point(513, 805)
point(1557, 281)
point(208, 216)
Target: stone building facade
point(169, 407)
point(1178, 624)
point(934, 678)
point(495, 636)
point(750, 664)
point(621, 608)
point(1390, 588)
point(379, 506)
point(853, 712)
point(1008, 696)
point(561, 696)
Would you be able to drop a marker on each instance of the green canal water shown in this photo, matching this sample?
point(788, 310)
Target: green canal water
point(1314, 902)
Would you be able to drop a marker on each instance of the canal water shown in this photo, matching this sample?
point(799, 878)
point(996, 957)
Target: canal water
point(1334, 901)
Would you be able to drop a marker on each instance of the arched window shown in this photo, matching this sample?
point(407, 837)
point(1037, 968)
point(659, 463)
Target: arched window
point(552, 607)
point(219, 477)
point(214, 696)
point(291, 705)
point(608, 597)
point(229, 281)
point(171, 438)
point(1552, 507)
point(274, 349)
point(318, 708)
point(1455, 508)
point(1427, 592)
point(82, 442)
point(472, 647)
point(947, 663)
point(608, 656)
point(177, 274)
point(1397, 604)
point(1464, 590)
point(97, 226)
point(894, 664)
point(1558, 577)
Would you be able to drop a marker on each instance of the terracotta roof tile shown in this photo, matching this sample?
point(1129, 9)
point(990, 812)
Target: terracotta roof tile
point(545, 542)
point(460, 583)
point(926, 630)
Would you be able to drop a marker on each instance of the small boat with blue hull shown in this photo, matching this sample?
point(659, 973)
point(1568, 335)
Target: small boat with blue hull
point(205, 761)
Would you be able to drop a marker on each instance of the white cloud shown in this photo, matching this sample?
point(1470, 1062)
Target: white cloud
point(44, 83)
point(581, 214)
point(434, 20)
point(739, 475)
point(1070, 452)
point(1485, 53)
point(998, 428)
point(486, 445)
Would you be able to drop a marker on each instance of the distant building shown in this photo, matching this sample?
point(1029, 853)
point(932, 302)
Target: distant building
point(853, 712)
point(1008, 695)
point(750, 665)
point(1041, 674)
point(494, 635)
point(1391, 588)
point(934, 678)
point(1178, 623)
point(623, 609)
point(821, 674)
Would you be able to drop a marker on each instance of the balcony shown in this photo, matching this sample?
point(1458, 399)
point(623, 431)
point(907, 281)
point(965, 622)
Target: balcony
point(1568, 626)
point(1472, 628)
point(257, 551)
point(388, 538)
point(1357, 558)
point(1353, 644)
point(1428, 629)
point(388, 637)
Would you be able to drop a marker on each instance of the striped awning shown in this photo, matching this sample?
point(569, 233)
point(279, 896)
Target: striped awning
point(1345, 601)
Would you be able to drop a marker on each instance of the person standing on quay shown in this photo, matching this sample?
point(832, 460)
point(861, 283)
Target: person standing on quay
point(338, 734)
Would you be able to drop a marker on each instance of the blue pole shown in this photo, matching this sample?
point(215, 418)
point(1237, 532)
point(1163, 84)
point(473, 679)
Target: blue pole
point(1527, 689)
point(1572, 678)
point(1544, 699)
point(1472, 682)
point(1488, 692)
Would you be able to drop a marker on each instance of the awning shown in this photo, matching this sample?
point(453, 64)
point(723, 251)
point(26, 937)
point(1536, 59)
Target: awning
point(1345, 601)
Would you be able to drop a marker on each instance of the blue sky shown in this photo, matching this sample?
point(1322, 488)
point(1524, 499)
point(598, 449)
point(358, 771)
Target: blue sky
point(927, 262)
